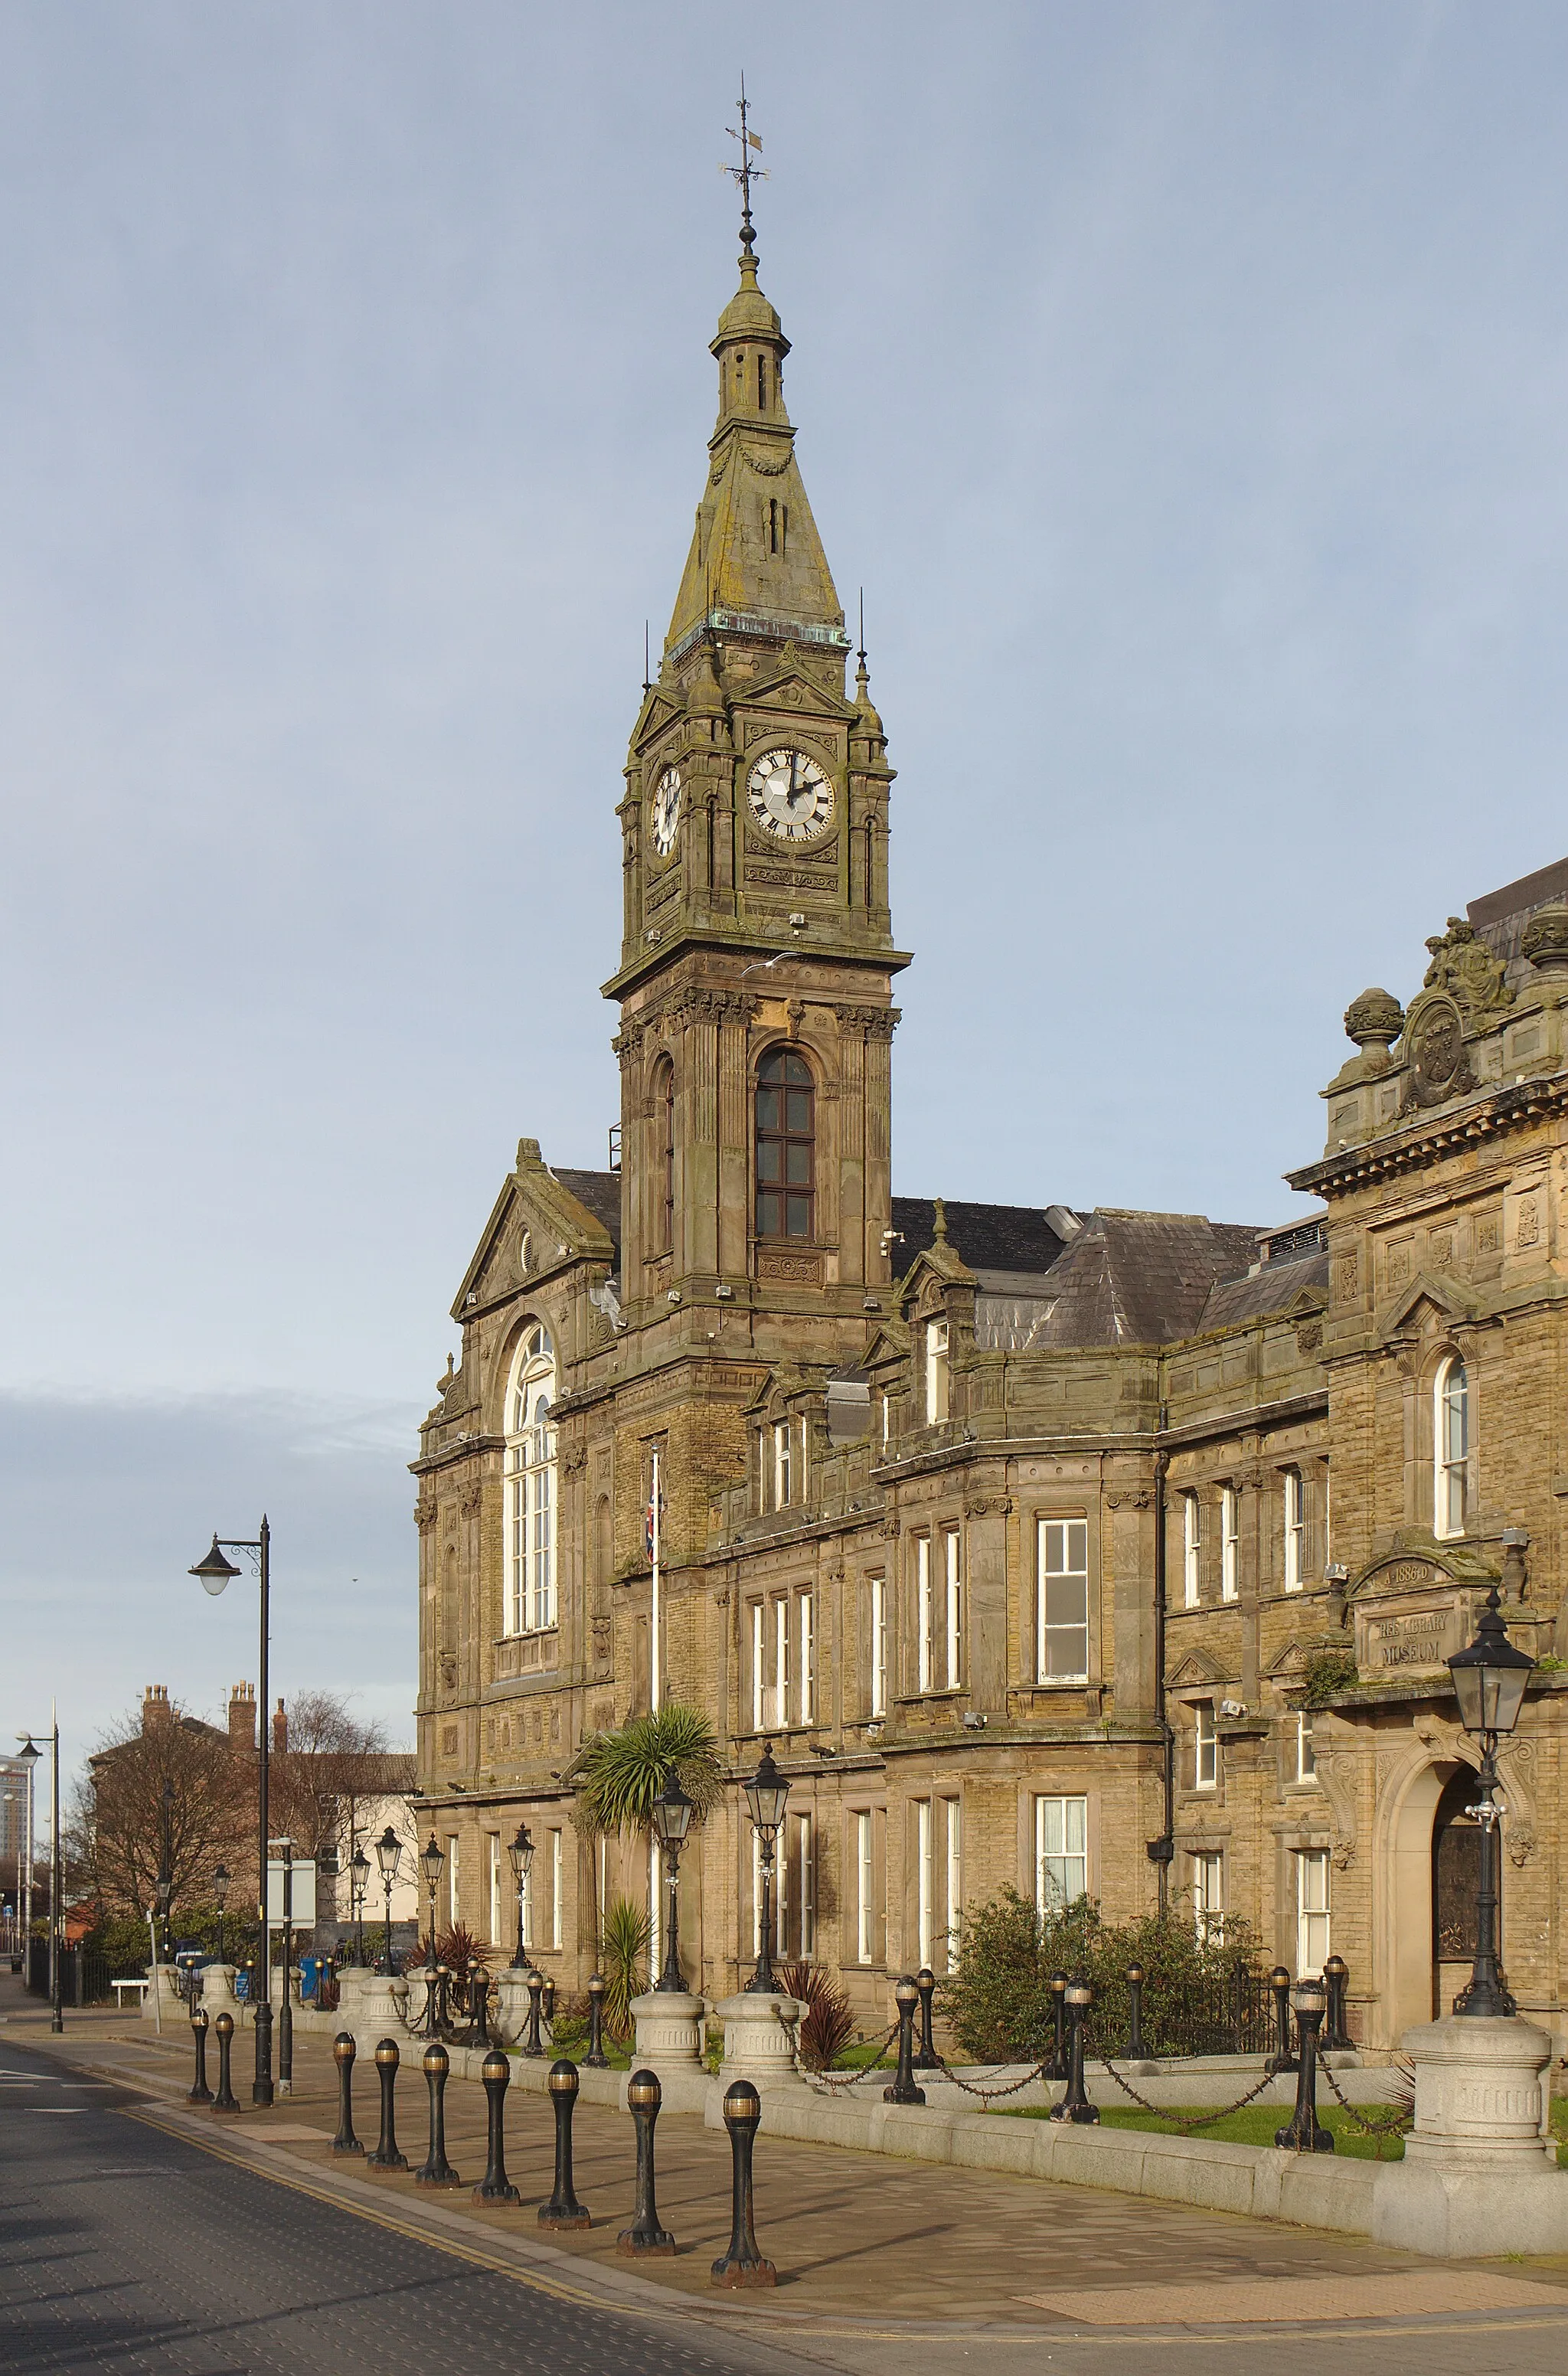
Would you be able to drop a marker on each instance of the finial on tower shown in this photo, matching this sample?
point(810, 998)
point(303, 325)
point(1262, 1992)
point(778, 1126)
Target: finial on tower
point(743, 175)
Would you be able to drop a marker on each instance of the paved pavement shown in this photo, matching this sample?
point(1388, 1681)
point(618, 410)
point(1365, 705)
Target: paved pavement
point(136, 2233)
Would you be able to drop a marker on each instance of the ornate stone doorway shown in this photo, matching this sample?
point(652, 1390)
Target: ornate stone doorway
point(1457, 1843)
point(1409, 1928)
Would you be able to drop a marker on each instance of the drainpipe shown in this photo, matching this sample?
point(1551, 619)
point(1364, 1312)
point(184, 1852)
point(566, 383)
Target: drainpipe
point(1162, 1851)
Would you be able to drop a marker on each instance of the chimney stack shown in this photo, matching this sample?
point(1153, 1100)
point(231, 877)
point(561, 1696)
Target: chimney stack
point(279, 1731)
point(155, 1708)
point(242, 1716)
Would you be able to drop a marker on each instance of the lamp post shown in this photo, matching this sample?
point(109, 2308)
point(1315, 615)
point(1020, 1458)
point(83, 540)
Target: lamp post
point(221, 1899)
point(519, 1856)
point(432, 1859)
point(28, 1759)
point(1489, 1682)
point(766, 1794)
point(388, 1856)
point(166, 1866)
point(214, 1572)
point(358, 1882)
point(672, 1812)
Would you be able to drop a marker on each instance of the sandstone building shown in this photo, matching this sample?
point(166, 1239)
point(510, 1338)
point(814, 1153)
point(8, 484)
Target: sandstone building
point(1105, 1550)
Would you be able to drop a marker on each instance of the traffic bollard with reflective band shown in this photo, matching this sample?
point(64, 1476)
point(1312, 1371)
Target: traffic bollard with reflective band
point(645, 2234)
point(343, 2052)
point(223, 2030)
point(742, 2264)
point(435, 2169)
point(1075, 2106)
point(596, 2058)
point(386, 2156)
point(201, 2092)
point(905, 1996)
point(926, 2057)
point(562, 2209)
point(495, 2187)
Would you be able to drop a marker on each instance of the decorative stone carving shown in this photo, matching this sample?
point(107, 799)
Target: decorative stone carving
point(1374, 1021)
point(1464, 966)
point(426, 1511)
point(988, 1505)
point(1440, 1067)
point(1309, 1336)
point(471, 1499)
point(1545, 941)
point(1134, 1497)
point(1527, 1231)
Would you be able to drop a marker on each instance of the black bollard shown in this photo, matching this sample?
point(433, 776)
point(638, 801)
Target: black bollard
point(477, 2030)
point(343, 2053)
point(386, 2156)
point(495, 2187)
point(533, 2045)
point(225, 2100)
point(1136, 2049)
point(926, 2057)
point(1302, 2134)
point(562, 2209)
point(435, 2169)
point(1336, 2039)
point(1057, 2068)
point(742, 2263)
point(905, 1996)
point(1075, 2105)
point(645, 2234)
point(596, 2058)
point(200, 2093)
point(444, 1978)
point(1281, 2061)
point(550, 2005)
point(429, 2025)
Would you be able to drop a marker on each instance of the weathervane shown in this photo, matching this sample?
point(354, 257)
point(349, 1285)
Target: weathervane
point(745, 173)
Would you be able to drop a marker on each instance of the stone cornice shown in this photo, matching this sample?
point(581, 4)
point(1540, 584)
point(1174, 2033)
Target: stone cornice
point(1497, 1114)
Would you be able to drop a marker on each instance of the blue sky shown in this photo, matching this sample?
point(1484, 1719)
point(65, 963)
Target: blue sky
point(1185, 385)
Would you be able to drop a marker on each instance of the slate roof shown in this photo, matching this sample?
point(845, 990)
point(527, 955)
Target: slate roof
point(600, 1191)
point(989, 1237)
point(1274, 1288)
point(1141, 1278)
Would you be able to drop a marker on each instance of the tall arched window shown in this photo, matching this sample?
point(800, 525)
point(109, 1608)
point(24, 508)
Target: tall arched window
point(786, 1145)
point(530, 1487)
point(664, 1127)
point(1451, 1446)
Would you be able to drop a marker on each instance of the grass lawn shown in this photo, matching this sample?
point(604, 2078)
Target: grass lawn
point(1257, 2125)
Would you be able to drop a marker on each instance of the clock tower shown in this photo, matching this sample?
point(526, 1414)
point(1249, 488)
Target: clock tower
point(757, 957)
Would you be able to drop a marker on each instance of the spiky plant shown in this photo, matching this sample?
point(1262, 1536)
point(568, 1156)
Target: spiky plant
point(619, 1775)
point(627, 1935)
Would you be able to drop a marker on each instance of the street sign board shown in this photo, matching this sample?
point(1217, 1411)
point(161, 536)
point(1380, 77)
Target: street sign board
point(302, 1910)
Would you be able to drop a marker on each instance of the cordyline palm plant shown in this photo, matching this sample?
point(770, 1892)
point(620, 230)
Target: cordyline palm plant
point(627, 1932)
point(619, 1775)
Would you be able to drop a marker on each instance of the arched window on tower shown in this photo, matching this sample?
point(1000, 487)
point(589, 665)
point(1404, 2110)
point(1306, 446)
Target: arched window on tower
point(761, 382)
point(664, 1144)
point(530, 1474)
point(1451, 1446)
point(785, 1147)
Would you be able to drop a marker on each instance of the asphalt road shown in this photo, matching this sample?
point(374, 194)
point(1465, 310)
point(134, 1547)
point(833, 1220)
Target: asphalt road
point(126, 2249)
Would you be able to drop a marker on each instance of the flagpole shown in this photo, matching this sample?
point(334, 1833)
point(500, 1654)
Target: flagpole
point(653, 1643)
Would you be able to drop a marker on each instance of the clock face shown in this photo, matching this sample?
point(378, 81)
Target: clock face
point(790, 797)
point(666, 811)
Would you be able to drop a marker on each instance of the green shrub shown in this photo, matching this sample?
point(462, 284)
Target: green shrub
point(1325, 1674)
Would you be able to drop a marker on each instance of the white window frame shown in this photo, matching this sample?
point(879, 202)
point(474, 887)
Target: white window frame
point(865, 1883)
point(1314, 1911)
point(1191, 1549)
point(878, 1621)
point(954, 1811)
point(952, 1607)
point(937, 1398)
point(805, 1877)
point(453, 1900)
point(492, 1840)
point(805, 1608)
point(1295, 1490)
point(783, 1463)
point(925, 1646)
point(1230, 1543)
point(1306, 1748)
point(557, 1878)
point(781, 1664)
point(1065, 1542)
point(529, 1599)
point(1208, 1894)
point(759, 1665)
point(1451, 1447)
point(1061, 1861)
point(926, 1881)
point(1206, 1746)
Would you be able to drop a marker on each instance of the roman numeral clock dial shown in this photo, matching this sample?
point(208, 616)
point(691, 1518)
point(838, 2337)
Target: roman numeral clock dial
point(790, 796)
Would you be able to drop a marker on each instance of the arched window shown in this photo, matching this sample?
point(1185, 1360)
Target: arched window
point(530, 1487)
point(1451, 1446)
point(785, 1147)
point(664, 1126)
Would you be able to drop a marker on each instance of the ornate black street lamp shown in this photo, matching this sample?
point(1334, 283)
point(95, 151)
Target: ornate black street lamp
point(165, 1886)
point(432, 1859)
point(672, 1812)
point(519, 1856)
point(1489, 1682)
point(221, 1879)
point(766, 1794)
point(215, 1571)
point(388, 1856)
point(358, 1882)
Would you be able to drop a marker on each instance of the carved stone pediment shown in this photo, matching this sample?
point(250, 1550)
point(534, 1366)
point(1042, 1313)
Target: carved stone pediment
point(1197, 1670)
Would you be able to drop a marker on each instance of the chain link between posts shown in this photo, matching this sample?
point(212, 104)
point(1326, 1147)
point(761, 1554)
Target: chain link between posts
point(1200, 2121)
point(1392, 2127)
point(836, 2083)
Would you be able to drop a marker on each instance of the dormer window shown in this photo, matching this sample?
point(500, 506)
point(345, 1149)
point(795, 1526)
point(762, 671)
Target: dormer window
point(935, 1371)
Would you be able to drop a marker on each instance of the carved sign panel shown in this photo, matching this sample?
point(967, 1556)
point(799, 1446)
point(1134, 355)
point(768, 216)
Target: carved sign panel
point(1393, 1640)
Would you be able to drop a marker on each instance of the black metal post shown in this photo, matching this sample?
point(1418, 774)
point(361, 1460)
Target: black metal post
point(1484, 1994)
point(429, 2027)
point(549, 2004)
point(1302, 2133)
point(645, 2234)
point(343, 2052)
point(477, 2030)
point(444, 1978)
point(905, 1996)
point(672, 1979)
point(596, 2058)
point(495, 2187)
point(387, 1887)
point(56, 1892)
point(200, 2093)
point(225, 2100)
point(741, 2265)
point(286, 2005)
point(926, 2057)
point(762, 1982)
point(435, 2169)
point(1136, 2049)
point(386, 2156)
point(533, 2045)
point(562, 2209)
point(261, 2015)
point(1075, 2105)
point(1281, 2061)
point(1057, 2068)
point(1335, 2037)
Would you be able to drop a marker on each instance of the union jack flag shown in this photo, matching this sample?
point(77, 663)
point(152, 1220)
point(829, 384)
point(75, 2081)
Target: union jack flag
point(648, 1524)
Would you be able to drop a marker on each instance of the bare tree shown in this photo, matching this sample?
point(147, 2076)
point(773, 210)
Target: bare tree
point(335, 1768)
point(172, 1796)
